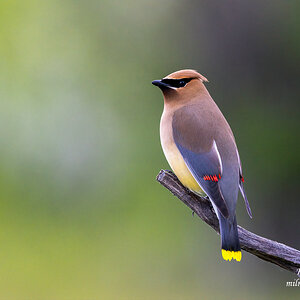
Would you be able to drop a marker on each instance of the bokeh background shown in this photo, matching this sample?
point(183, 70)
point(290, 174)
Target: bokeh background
point(81, 215)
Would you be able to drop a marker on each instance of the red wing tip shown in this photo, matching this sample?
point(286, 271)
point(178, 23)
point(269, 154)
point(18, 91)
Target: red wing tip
point(214, 178)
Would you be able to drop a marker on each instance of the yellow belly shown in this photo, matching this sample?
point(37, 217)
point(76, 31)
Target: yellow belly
point(173, 155)
point(179, 167)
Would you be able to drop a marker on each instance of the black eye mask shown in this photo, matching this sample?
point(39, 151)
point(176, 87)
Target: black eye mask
point(176, 83)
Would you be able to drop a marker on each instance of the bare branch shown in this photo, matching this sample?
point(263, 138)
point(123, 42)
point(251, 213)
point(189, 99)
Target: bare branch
point(271, 251)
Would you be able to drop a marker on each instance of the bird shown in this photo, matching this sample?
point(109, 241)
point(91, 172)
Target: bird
point(200, 147)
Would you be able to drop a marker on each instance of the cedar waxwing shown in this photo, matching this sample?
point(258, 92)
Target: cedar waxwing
point(200, 148)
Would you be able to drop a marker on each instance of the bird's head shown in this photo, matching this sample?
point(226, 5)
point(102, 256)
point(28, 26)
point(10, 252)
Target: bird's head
point(182, 84)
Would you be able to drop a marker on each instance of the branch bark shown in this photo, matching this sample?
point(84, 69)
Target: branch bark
point(284, 256)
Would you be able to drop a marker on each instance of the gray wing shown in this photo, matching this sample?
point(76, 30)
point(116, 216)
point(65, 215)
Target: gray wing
point(207, 170)
point(242, 190)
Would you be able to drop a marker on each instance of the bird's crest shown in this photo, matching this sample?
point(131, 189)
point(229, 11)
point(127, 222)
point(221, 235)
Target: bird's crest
point(188, 73)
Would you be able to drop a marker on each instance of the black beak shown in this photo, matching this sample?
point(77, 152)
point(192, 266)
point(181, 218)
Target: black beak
point(160, 84)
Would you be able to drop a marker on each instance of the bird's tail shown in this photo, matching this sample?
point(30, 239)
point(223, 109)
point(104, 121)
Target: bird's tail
point(231, 248)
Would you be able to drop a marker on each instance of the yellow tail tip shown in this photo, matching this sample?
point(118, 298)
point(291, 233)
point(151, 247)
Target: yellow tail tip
point(229, 255)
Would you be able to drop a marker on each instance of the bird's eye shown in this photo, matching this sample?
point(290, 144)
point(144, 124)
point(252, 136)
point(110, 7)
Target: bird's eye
point(182, 83)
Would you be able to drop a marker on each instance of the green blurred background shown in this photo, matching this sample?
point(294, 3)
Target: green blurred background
point(81, 215)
